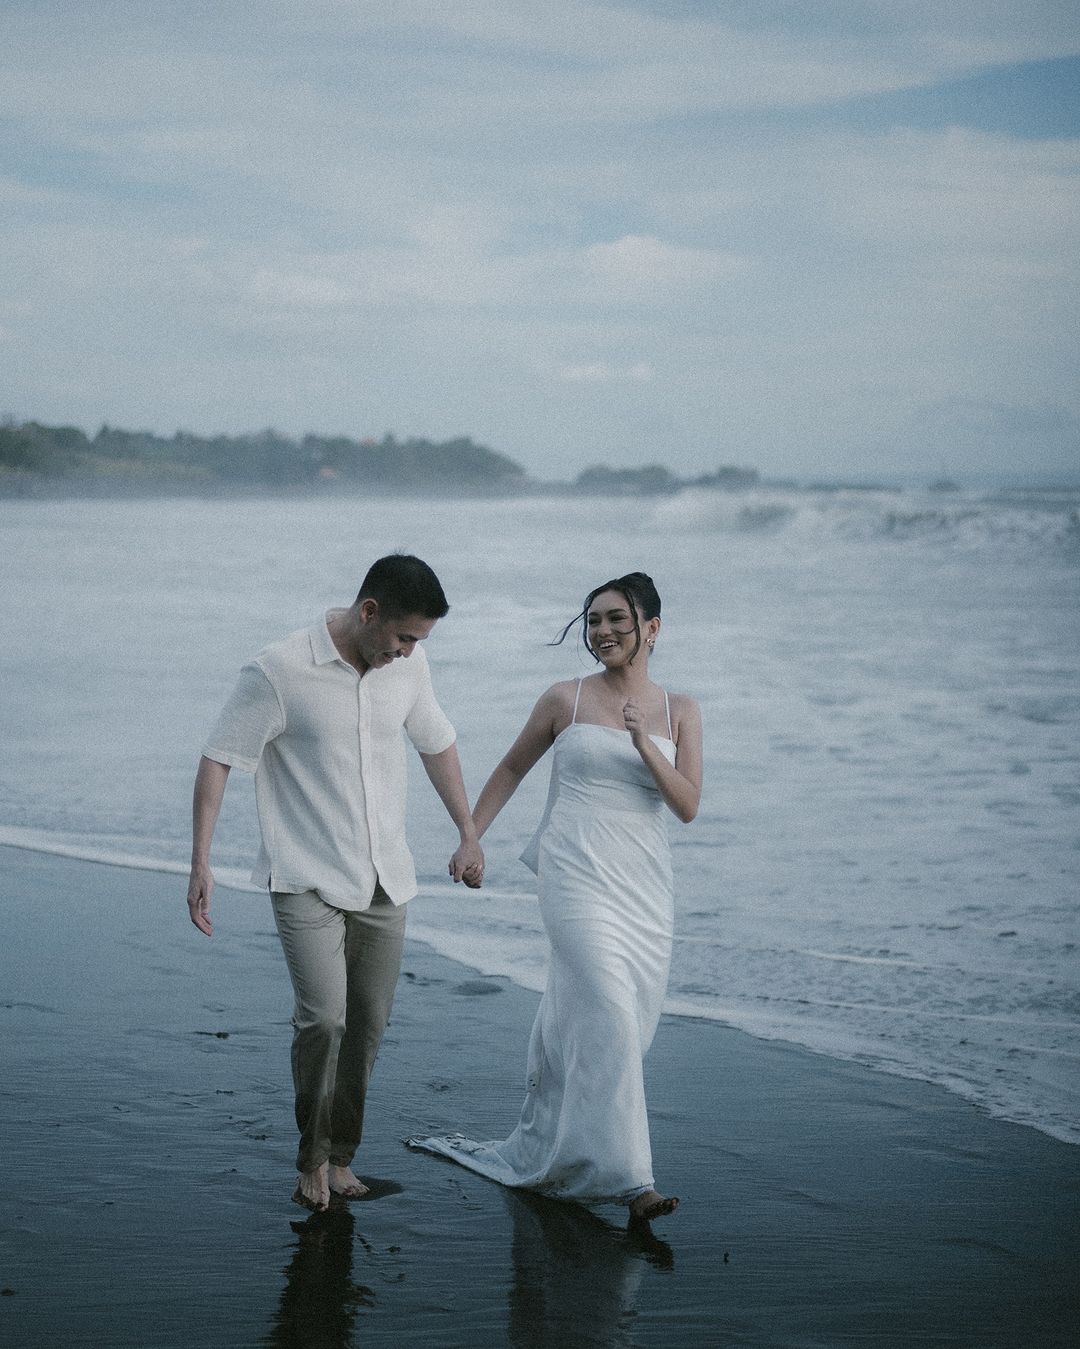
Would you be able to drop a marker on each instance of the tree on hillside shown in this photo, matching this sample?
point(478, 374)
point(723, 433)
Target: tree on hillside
point(647, 481)
point(34, 448)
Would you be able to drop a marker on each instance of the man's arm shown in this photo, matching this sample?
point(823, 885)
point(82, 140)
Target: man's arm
point(444, 770)
point(210, 783)
point(252, 716)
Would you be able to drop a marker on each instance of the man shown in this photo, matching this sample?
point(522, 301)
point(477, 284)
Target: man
point(318, 718)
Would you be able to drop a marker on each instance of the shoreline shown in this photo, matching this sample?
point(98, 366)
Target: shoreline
point(147, 1109)
point(235, 882)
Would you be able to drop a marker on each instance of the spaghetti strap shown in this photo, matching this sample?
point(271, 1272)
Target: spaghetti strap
point(577, 695)
point(667, 709)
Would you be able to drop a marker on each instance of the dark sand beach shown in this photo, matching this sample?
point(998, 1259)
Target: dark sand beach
point(148, 1143)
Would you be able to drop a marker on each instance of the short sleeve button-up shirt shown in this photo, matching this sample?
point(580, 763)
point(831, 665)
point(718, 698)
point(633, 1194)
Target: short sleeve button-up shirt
point(328, 754)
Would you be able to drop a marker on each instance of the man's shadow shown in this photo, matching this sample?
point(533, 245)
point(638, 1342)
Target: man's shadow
point(321, 1301)
point(576, 1277)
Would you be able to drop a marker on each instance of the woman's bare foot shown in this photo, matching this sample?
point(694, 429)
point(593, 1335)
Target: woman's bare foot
point(651, 1205)
point(342, 1181)
point(312, 1191)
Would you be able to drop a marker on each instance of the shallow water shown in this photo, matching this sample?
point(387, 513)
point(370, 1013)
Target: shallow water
point(886, 863)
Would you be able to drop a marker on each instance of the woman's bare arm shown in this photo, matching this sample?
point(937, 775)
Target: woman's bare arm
point(679, 783)
point(537, 736)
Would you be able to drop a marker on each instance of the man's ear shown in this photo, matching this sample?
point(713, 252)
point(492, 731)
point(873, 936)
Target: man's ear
point(368, 610)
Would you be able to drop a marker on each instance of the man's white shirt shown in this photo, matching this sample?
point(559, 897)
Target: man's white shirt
point(329, 759)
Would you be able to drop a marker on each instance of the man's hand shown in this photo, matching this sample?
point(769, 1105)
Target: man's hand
point(444, 770)
point(467, 864)
point(200, 888)
point(210, 783)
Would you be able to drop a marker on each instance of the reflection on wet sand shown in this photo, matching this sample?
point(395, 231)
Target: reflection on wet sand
point(576, 1277)
point(320, 1301)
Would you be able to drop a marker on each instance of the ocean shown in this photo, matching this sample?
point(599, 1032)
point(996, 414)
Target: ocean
point(886, 866)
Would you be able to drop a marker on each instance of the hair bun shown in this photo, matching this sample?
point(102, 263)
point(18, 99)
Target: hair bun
point(639, 585)
point(640, 593)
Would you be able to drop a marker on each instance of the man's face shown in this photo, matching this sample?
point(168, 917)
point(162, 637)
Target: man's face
point(382, 640)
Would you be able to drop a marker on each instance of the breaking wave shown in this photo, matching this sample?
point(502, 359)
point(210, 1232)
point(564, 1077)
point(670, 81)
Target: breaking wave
point(1041, 521)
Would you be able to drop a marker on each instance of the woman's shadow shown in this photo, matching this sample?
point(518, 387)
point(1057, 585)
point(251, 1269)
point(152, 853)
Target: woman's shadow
point(576, 1277)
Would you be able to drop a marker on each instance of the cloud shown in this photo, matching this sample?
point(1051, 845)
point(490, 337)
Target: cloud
point(980, 435)
point(958, 191)
point(644, 264)
point(601, 372)
point(312, 290)
point(424, 216)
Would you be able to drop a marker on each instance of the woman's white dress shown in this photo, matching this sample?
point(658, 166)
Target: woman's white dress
point(604, 866)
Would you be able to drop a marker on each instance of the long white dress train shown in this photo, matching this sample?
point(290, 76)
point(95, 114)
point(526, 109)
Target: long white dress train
point(605, 888)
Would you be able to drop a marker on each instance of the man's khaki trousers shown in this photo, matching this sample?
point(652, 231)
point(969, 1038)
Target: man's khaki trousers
point(344, 968)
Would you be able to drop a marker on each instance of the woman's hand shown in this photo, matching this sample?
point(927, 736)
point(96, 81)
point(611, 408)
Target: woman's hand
point(634, 721)
point(679, 783)
point(467, 864)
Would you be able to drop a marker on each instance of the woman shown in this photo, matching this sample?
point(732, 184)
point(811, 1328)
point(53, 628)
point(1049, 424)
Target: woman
point(624, 751)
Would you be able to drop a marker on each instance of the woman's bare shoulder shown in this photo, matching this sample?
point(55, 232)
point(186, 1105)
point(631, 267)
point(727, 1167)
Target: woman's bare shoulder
point(682, 702)
point(555, 706)
point(559, 696)
point(685, 712)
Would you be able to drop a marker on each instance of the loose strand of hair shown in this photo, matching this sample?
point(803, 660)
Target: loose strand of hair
point(583, 619)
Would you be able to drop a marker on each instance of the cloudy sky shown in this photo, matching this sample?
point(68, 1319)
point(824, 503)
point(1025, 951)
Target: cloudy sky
point(828, 238)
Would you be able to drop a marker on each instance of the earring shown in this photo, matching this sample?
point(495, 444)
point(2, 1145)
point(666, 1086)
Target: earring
point(651, 643)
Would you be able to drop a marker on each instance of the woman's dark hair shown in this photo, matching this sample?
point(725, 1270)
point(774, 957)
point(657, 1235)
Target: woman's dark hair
point(402, 585)
point(640, 595)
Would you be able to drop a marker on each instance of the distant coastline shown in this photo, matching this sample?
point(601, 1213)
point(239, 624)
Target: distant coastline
point(46, 462)
point(49, 461)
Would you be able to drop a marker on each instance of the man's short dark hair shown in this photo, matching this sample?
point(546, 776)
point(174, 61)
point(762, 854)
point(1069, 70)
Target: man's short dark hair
point(404, 585)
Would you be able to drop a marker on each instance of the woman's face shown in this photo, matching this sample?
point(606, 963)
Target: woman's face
point(612, 628)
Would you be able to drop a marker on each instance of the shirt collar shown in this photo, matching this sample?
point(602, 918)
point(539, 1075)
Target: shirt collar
point(323, 650)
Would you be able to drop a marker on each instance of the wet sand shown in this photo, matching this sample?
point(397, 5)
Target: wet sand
point(147, 1135)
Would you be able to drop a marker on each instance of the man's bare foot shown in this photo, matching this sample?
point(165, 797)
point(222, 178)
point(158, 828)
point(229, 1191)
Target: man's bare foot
point(651, 1205)
point(312, 1191)
point(342, 1181)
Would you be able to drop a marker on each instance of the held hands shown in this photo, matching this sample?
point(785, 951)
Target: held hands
point(467, 864)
